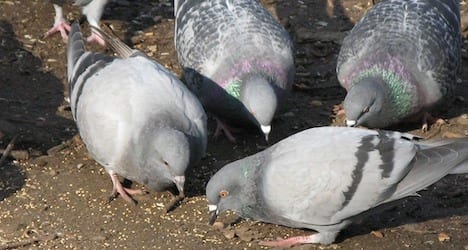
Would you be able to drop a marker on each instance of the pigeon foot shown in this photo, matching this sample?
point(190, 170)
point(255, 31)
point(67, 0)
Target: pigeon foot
point(96, 38)
point(119, 189)
point(322, 238)
point(429, 119)
point(174, 202)
point(222, 127)
point(61, 26)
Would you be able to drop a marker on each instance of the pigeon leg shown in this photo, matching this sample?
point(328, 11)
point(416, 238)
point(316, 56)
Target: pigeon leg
point(60, 24)
point(338, 110)
point(96, 38)
point(179, 181)
point(428, 118)
point(322, 238)
point(222, 127)
point(174, 201)
point(123, 191)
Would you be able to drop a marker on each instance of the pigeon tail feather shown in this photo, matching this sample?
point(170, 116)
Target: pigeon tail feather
point(431, 165)
point(114, 43)
point(75, 49)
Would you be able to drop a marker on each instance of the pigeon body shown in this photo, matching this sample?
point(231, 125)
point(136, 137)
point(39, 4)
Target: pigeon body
point(236, 58)
point(400, 60)
point(135, 117)
point(324, 178)
point(92, 9)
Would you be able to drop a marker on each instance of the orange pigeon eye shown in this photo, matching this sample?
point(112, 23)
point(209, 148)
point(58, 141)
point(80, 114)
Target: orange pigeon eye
point(223, 193)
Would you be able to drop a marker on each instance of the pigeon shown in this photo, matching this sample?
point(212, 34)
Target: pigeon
point(236, 58)
point(400, 61)
point(136, 118)
point(92, 9)
point(324, 178)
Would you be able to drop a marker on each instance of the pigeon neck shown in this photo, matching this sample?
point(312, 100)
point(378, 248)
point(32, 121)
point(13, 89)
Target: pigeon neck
point(258, 96)
point(396, 85)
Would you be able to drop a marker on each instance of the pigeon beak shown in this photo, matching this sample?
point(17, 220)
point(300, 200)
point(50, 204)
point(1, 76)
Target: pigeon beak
point(179, 182)
point(213, 210)
point(266, 131)
point(351, 123)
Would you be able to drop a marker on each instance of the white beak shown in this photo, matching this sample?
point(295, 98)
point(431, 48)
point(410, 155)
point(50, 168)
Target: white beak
point(350, 123)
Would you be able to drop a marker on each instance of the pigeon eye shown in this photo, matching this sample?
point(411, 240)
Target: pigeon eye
point(223, 193)
point(366, 110)
point(166, 163)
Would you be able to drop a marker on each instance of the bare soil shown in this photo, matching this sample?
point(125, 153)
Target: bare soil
point(53, 195)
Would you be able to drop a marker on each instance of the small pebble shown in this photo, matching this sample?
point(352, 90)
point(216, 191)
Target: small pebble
point(53, 172)
point(429, 242)
point(218, 225)
point(443, 237)
point(316, 103)
point(229, 234)
point(377, 234)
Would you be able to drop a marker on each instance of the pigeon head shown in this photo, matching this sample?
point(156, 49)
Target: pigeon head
point(169, 152)
point(364, 102)
point(232, 188)
point(258, 96)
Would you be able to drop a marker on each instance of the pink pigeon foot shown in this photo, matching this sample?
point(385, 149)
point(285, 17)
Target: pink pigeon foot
point(60, 26)
point(428, 118)
point(222, 127)
point(118, 189)
point(96, 38)
point(293, 241)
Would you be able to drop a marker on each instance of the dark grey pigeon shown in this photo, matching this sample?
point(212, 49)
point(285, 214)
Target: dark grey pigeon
point(237, 59)
point(92, 9)
point(400, 61)
point(325, 178)
point(137, 119)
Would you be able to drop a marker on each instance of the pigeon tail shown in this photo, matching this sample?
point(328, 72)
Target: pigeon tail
point(75, 49)
point(432, 164)
point(115, 44)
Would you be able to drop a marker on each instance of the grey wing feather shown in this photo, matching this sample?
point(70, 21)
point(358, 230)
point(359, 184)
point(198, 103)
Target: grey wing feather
point(81, 2)
point(345, 168)
point(116, 44)
point(81, 64)
point(232, 27)
point(77, 58)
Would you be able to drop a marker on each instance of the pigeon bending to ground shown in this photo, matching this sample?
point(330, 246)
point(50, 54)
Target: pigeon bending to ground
point(236, 58)
point(92, 9)
point(400, 61)
point(325, 178)
point(136, 118)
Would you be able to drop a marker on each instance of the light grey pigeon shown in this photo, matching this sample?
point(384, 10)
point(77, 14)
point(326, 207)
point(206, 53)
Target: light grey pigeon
point(137, 119)
point(92, 9)
point(400, 61)
point(325, 178)
point(236, 58)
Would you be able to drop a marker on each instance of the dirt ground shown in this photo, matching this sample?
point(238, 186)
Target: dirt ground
point(53, 195)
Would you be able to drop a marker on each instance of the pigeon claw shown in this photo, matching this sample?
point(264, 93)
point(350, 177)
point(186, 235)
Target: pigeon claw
point(96, 38)
point(62, 26)
point(292, 241)
point(119, 189)
point(221, 127)
point(174, 202)
point(429, 119)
